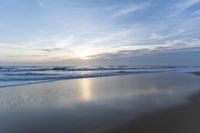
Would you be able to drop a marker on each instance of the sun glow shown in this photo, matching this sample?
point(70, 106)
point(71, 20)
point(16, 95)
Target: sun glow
point(85, 53)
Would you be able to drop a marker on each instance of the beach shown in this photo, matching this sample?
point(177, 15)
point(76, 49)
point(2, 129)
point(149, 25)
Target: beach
point(100, 66)
point(153, 102)
point(181, 119)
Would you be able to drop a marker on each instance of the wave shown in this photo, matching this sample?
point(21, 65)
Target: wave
point(79, 68)
point(20, 75)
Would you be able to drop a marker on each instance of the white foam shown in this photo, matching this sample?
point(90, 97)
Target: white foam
point(11, 76)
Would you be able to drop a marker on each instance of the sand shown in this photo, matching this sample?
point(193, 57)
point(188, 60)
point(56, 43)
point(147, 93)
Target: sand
point(196, 73)
point(183, 118)
point(165, 102)
point(180, 119)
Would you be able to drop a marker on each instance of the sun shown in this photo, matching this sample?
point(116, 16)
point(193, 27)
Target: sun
point(85, 53)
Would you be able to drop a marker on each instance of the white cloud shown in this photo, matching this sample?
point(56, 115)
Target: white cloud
point(122, 11)
point(155, 36)
point(187, 4)
point(184, 5)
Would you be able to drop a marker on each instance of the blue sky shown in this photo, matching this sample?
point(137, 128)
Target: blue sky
point(68, 31)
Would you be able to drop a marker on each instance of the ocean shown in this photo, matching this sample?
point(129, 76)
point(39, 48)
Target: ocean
point(21, 75)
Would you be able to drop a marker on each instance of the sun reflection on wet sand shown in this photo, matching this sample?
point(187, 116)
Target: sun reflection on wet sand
point(85, 89)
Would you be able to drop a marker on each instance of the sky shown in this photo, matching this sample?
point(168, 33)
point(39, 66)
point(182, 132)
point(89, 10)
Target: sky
point(99, 32)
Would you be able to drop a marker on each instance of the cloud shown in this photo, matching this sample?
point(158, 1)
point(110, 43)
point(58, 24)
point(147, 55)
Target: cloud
point(179, 44)
point(20, 56)
point(196, 12)
point(50, 49)
point(187, 4)
point(169, 46)
point(155, 36)
point(117, 52)
point(122, 11)
point(182, 6)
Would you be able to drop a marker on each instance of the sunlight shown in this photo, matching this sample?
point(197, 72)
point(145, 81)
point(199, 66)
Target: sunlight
point(84, 53)
point(86, 90)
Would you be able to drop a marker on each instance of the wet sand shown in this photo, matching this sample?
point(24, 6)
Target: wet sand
point(180, 119)
point(196, 73)
point(184, 118)
point(165, 102)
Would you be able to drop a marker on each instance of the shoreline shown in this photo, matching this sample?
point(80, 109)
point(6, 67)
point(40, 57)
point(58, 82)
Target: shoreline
point(196, 73)
point(72, 78)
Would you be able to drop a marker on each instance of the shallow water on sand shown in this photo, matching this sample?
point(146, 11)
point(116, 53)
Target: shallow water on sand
point(91, 104)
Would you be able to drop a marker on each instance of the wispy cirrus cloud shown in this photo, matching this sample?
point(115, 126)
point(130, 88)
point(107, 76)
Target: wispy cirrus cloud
point(182, 6)
point(129, 9)
point(186, 4)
